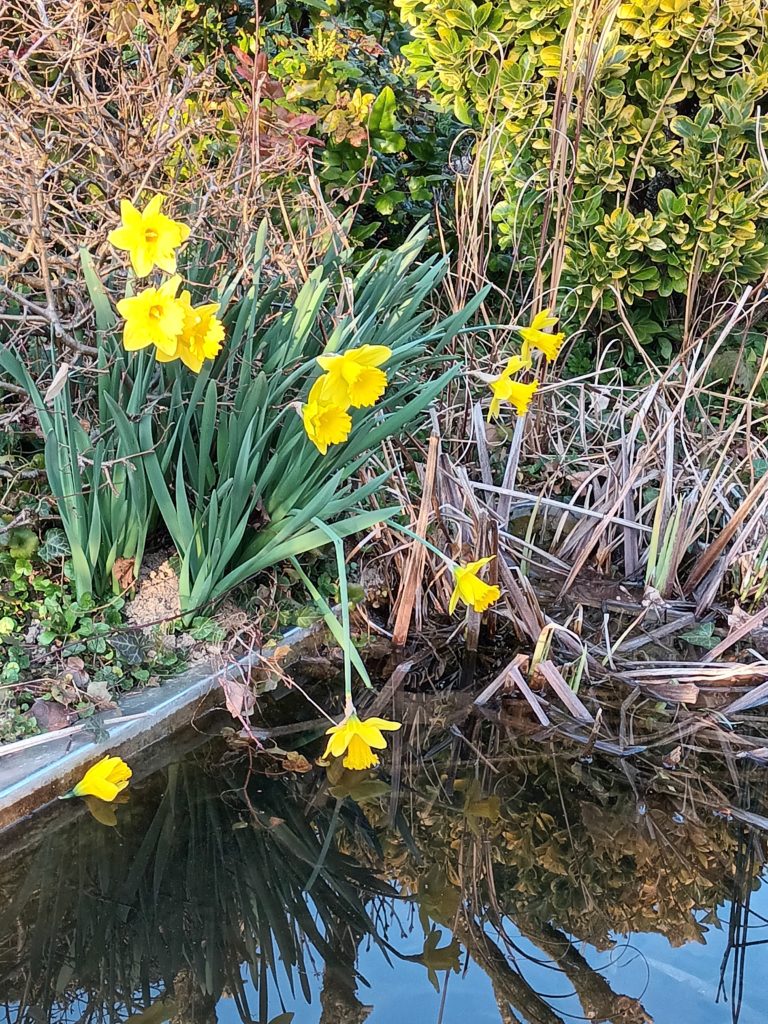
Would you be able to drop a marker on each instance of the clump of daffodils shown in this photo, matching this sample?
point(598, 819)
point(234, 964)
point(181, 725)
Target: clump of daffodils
point(352, 380)
point(536, 336)
point(160, 316)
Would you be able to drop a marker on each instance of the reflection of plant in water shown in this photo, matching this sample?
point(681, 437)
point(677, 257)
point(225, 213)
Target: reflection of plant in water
point(568, 844)
point(562, 852)
point(188, 888)
point(158, 915)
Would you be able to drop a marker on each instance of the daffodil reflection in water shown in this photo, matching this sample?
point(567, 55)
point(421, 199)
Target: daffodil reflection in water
point(356, 739)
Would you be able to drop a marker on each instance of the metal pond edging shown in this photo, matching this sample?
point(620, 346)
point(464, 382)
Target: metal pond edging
point(36, 775)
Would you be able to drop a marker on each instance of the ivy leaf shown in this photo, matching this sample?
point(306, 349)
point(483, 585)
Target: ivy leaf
point(128, 646)
point(206, 630)
point(55, 547)
point(701, 636)
point(386, 204)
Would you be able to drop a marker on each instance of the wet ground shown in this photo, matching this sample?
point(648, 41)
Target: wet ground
point(486, 877)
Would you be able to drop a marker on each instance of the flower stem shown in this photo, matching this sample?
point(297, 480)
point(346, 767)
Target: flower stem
point(423, 540)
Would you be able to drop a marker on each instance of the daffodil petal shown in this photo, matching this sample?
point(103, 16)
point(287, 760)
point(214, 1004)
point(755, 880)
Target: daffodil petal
point(372, 355)
point(153, 206)
point(339, 742)
point(129, 214)
point(383, 723)
point(474, 567)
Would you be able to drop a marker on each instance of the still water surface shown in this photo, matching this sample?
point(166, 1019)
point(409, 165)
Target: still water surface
point(531, 888)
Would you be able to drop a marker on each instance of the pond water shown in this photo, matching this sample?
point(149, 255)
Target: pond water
point(495, 885)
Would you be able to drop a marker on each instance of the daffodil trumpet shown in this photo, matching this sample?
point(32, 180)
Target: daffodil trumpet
point(356, 739)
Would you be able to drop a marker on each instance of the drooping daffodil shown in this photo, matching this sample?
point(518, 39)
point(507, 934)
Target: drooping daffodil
point(513, 391)
point(354, 377)
point(149, 237)
point(357, 739)
point(104, 780)
point(325, 422)
point(469, 588)
point(154, 317)
point(537, 336)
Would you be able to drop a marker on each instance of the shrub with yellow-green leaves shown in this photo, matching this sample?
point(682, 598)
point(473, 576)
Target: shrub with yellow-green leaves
point(664, 136)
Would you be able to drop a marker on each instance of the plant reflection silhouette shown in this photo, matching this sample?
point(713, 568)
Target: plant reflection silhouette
point(207, 872)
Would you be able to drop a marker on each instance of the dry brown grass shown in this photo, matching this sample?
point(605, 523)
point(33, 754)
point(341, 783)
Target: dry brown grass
point(626, 514)
point(87, 120)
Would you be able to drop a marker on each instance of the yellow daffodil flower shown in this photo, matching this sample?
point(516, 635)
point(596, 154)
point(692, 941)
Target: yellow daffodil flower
point(353, 376)
point(201, 335)
point(357, 740)
point(149, 237)
point(325, 422)
point(537, 336)
point(104, 780)
point(154, 317)
point(473, 591)
point(512, 391)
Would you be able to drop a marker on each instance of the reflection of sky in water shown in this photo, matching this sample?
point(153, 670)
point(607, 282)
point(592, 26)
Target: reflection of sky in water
point(676, 986)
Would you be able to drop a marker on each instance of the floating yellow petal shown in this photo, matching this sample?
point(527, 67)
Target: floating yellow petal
point(470, 589)
point(201, 335)
point(325, 422)
point(357, 740)
point(104, 780)
point(150, 238)
point(537, 336)
point(512, 391)
point(353, 376)
point(154, 317)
